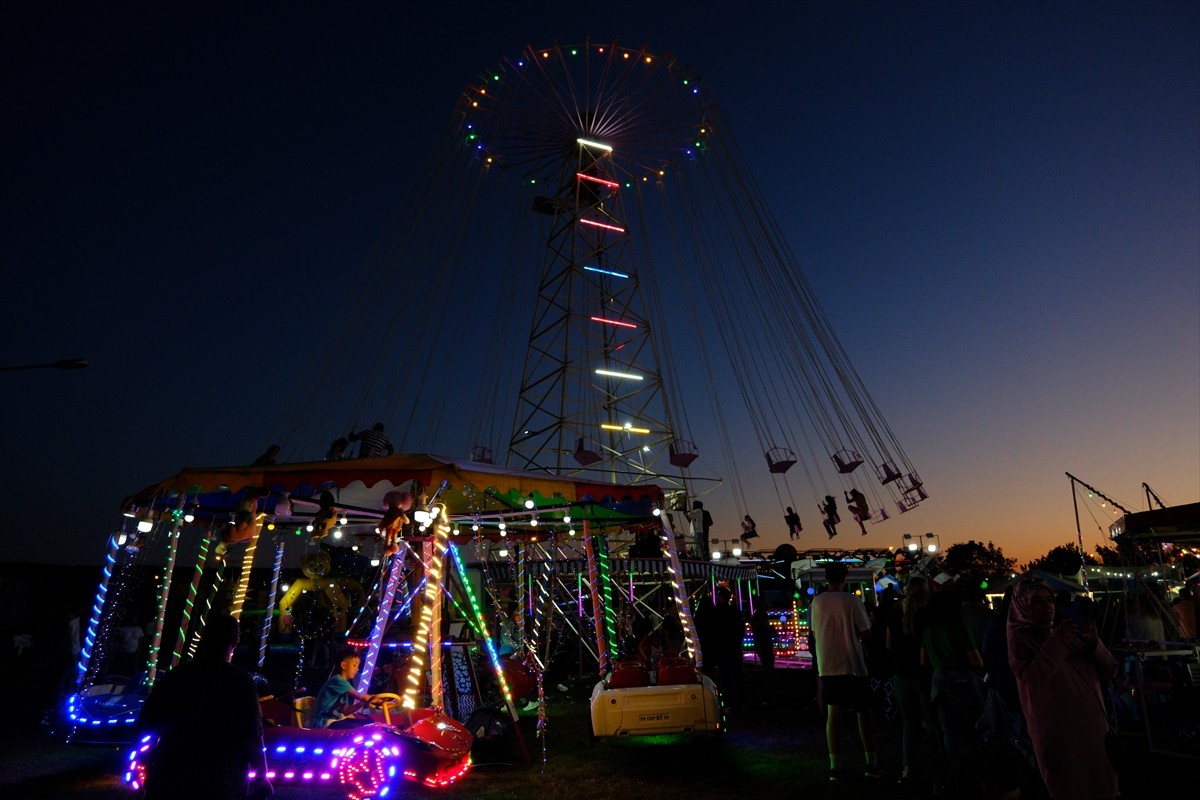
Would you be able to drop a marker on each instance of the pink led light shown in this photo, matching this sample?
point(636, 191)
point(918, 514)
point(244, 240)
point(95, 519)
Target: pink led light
point(604, 225)
point(613, 322)
point(594, 179)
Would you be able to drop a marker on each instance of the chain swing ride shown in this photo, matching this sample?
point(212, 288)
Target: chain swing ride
point(660, 276)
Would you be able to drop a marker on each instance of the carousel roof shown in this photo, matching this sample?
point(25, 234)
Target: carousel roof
point(359, 485)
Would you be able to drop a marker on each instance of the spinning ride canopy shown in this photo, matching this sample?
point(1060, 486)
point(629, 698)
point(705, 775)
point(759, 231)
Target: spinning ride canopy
point(359, 485)
point(1173, 524)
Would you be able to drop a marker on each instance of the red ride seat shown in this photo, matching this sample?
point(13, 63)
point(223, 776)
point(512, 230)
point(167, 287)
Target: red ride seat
point(675, 671)
point(628, 674)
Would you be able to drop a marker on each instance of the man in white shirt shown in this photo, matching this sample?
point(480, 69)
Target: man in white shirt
point(839, 622)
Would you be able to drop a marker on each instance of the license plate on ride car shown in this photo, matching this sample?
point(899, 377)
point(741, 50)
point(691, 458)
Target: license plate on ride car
point(654, 718)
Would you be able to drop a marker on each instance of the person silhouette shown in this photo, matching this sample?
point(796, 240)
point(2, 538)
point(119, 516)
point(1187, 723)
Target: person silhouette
point(829, 509)
point(856, 504)
point(792, 520)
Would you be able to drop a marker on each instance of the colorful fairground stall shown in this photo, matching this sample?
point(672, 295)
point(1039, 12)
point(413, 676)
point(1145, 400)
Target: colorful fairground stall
point(1157, 696)
point(466, 564)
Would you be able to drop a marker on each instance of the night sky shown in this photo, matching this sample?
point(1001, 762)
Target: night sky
point(997, 203)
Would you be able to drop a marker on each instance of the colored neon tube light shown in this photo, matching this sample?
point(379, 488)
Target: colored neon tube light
point(613, 321)
point(89, 638)
point(614, 273)
point(612, 374)
point(268, 615)
point(395, 570)
point(604, 225)
point(164, 592)
point(588, 143)
point(626, 428)
point(189, 603)
point(594, 179)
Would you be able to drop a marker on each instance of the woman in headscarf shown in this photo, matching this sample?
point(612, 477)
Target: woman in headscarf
point(1059, 668)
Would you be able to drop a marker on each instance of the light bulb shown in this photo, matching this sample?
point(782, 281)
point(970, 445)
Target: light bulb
point(503, 526)
point(567, 518)
point(529, 502)
point(533, 522)
point(421, 516)
point(716, 555)
point(504, 553)
point(309, 528)
point(337, 533)
point(146, 524)
point(343, 520)
point(189, 517)
point(737, 552)
point(375, 561)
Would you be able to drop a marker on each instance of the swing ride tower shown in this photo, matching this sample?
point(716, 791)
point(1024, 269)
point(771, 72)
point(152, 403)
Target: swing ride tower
point(591, 394)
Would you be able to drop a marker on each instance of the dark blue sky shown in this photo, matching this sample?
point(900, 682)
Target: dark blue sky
point(998, 203)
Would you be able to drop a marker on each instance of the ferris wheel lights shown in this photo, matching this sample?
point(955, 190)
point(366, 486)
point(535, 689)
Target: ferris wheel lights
point(647, 59)
point(545, 54)
point(616, 322)
point(626, 55)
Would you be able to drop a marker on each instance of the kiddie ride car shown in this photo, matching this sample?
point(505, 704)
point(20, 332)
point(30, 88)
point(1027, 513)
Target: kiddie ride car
point(430, 748)
point(679, 700)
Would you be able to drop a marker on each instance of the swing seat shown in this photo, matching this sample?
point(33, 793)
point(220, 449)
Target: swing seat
point(880, 516)
point(780, 460)
point(683, 453)
point(481, 454)
point(628, 675)
point(887, 472)
point(584, 455)
point(847, 461)
point(905, 505)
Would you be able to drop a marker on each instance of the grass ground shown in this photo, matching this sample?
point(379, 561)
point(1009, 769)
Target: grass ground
point(773, 749)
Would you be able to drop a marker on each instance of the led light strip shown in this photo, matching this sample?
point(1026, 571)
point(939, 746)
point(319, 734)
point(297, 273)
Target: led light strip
point(612, 272)
point(626, 375)
point(588, 143)
point(189, 602)
point(627, 428)
point(604, 225)
point(594, 179)
point(613, 321)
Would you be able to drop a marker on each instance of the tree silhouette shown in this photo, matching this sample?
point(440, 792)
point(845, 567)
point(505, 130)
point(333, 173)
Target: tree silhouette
point(1063, 560)
point(972, 557)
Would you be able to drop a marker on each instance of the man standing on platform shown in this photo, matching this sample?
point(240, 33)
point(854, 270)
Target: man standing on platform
point(701, 523)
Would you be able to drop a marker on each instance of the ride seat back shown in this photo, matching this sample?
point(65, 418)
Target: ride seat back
point(304, 709)
point(676, 670)
point(628, 674)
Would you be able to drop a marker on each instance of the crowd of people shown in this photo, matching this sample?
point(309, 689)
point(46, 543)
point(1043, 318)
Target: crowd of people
point(1012, 700)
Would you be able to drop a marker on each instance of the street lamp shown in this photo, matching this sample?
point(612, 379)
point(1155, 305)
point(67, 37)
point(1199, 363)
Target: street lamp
point(66, 363)
point(915, 543)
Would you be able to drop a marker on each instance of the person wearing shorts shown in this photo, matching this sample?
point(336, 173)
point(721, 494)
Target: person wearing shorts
point(839, 622)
